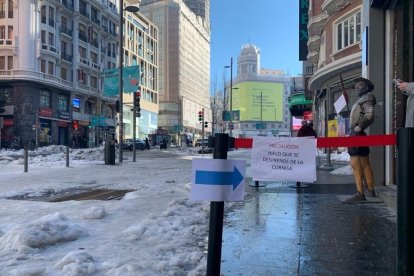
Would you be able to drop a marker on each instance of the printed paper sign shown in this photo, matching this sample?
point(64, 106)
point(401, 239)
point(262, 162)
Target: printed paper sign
point(340, 104)
point(277, 159)
point(218, 179)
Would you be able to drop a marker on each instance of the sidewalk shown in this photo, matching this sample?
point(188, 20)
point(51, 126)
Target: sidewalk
point(279, 230)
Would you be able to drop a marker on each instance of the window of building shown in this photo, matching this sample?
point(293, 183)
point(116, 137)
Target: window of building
point(43, 66)
point(63, 73)
point(44, 98)
point(51, 39)
point(82, 52)
point(50, 68)
point(2, 62)
point(348, 31)
point(94, 57)
point(2, 32)
point(10, 62)
point(82, 32)
point(10, 7)
point(51, 17)
point(94, 82)
point(63, 103)
point(43, 14)
point(2, 9)
point(43, 37)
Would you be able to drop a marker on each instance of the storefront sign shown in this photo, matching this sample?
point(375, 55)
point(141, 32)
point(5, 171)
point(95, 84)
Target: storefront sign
point(46, 112)
point(303, 29)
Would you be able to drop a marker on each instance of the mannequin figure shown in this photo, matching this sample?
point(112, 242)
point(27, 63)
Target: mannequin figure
point(362, 116)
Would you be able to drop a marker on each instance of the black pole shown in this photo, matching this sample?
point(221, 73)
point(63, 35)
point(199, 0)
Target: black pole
point(215, 236)
point(121, 86)
point(405, 204)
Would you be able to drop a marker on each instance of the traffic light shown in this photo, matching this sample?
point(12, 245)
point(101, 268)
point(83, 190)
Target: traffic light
point(137, 100)
point(200, 117)
point(205, 124)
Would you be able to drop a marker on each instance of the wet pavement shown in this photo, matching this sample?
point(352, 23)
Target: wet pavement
point(279, 230)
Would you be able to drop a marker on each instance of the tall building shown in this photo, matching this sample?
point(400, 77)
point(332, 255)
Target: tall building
point(53, 54)
point(184, 65)
point(259, 97)
point(141, 48)
point(200, 8)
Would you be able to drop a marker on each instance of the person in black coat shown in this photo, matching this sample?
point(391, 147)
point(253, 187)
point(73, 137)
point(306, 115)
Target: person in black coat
point(306, 130)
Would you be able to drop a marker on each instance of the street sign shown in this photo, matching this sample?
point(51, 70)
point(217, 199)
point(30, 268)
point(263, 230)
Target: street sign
point(218, 179)
point(226, 116)
point(98, 121)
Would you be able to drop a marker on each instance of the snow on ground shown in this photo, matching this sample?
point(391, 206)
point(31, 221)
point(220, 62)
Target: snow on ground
point(154, 230)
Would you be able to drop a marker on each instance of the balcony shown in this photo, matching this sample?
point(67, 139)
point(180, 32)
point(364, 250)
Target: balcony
point(317, 23)
point(314, 43)
point(313, 57)
point(334, 6)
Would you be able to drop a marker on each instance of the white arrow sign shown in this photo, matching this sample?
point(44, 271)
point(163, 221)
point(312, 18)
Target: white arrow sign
point(218, 179)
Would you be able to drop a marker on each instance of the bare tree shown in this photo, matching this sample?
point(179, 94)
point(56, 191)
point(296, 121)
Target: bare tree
point(217, 105)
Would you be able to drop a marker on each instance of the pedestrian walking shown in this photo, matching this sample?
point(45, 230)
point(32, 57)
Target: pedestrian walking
point(362, 116)
point(147, 145)
point(408, 89)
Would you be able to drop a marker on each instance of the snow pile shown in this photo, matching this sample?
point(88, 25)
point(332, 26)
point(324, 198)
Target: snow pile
point(44, 232)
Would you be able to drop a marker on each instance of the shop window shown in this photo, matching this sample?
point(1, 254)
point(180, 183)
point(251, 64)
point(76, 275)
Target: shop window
point(44, 98)
point(63, 103)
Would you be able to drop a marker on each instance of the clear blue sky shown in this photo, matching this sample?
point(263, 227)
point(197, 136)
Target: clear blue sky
point(272, 25)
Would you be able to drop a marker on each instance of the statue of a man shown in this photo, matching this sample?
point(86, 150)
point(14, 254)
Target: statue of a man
point(362, 116)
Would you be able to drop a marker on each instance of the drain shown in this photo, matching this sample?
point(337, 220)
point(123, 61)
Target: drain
point(74, 194)
point(98, 194)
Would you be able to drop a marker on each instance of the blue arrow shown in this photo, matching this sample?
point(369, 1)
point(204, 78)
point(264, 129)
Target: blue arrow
point(219, 178)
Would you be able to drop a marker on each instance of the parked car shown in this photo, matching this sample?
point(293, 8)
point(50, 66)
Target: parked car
point(128, 144)
point(201, 142)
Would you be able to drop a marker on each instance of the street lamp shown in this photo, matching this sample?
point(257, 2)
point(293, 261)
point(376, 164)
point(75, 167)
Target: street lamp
point(121, 64)
point(230, 95)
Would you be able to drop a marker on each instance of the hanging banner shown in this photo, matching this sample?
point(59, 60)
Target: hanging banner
point(131, 76)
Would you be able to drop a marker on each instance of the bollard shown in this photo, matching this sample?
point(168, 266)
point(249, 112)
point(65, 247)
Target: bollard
point(67, 157)
point(215, 234)
point(405, 204)
point(26, 158)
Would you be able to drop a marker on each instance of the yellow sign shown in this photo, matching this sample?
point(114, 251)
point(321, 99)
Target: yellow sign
point(332, 128)
point(258, 101)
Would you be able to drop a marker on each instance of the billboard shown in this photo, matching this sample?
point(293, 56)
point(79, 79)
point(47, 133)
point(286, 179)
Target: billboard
point(256, 101)
point(130, 75)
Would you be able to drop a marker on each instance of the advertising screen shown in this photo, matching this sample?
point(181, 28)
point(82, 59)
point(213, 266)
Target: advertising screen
point(256, 101)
